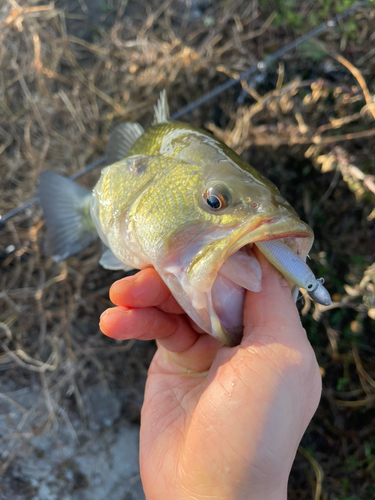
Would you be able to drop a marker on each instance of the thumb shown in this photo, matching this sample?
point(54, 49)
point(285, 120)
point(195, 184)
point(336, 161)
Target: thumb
point(272, 311)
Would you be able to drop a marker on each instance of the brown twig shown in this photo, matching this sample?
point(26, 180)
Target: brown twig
point(359, 77)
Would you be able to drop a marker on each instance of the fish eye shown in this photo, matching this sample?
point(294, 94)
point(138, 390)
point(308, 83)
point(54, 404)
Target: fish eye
point(217, 197)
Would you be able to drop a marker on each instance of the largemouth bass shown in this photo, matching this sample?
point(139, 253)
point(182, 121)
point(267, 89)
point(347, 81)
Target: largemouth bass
point(178, 199)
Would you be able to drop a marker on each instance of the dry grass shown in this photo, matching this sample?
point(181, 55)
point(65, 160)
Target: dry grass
point(65, 80)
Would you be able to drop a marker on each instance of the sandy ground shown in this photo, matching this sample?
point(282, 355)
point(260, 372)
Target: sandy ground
point(72, 461)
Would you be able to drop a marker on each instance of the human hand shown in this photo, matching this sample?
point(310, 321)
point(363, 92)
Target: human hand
point(219, 422)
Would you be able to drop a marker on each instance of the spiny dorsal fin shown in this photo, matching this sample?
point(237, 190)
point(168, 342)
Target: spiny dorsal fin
point(121, 140)
point(161, 109)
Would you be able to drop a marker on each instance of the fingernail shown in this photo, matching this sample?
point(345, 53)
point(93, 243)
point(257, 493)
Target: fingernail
point(103, 315)
point(127, 279)
point(113, 322)
point(118, 311)
point(134, 277)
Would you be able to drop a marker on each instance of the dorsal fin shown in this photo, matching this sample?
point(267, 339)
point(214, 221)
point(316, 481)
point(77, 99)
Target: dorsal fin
point(161, 109)
point(121, 140)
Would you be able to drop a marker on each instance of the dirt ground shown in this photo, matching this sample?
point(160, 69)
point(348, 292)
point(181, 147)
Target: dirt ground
point(70, 71)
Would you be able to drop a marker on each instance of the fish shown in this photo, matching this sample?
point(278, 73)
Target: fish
point(177, 198)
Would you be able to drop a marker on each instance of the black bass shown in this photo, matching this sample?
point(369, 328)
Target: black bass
point(178, 199)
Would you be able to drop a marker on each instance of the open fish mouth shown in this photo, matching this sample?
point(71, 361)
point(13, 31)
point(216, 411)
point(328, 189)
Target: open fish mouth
point(285, 245)
point(225, 301)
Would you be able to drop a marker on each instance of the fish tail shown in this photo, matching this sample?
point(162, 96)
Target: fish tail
point(66, 208)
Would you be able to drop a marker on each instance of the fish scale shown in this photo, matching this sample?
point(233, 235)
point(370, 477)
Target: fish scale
point(119, 186)
point(160, 209)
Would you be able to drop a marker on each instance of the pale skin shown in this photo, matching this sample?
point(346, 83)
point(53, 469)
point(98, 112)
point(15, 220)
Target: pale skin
point(218, 422)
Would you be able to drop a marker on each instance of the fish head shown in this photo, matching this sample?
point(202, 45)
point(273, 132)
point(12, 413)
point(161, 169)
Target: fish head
point(186, 204)
point(234, 208)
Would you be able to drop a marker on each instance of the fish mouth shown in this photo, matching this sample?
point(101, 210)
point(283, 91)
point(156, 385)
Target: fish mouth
point(299, 237)
point(224, 274)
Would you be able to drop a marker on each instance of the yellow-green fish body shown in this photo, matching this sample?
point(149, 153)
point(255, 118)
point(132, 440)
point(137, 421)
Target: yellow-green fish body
point(182, 201)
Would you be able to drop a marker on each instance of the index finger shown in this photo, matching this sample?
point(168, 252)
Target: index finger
point(144, 289)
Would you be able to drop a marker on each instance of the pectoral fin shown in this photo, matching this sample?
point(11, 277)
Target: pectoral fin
point(109, 261)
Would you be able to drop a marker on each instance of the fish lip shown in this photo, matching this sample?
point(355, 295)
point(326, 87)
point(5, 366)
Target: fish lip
point(203, 269)
point(256, 232)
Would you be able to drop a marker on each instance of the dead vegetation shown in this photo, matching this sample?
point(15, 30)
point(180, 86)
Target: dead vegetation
point(68, 73)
